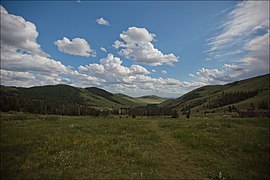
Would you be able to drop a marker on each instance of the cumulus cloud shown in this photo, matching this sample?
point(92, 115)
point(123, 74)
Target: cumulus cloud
point(137, 45)
point(112, 69)
point(76, 46)
point(102, 21)
point(136, 69)
point(16, 76)
point(228, 73)
point(15, 31)
point(133, 79)
point(210, 75)
point(24, 63)
point(244, 38)
point(14, 60)
point(95, 68)
point(22, 59)
point(103, 49)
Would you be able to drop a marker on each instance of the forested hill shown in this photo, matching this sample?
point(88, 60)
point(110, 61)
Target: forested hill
point(69, 100)
point(65, 99)
point(239, 95)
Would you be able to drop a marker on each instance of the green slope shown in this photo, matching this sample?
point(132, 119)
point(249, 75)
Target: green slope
point(92, 96)
point(204, 98)
point(211, 97)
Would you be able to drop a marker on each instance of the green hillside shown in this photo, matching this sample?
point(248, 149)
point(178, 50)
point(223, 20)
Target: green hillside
point(69, 100)
point(240, 94)
point(73, 96)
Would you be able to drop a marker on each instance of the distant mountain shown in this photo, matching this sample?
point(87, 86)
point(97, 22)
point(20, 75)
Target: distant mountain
point(240, 94)
point(151, 99)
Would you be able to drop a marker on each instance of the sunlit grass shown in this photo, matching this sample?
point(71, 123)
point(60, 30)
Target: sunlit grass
point(38, 146)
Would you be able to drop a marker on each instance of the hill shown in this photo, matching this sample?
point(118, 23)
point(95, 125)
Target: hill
point(69, 100)
point(57, 99)
point(152, 99)
point(240, 94)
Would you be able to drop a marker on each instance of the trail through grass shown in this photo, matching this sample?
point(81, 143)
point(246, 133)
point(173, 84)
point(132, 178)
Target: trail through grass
point(175, 161)
point(62, 147)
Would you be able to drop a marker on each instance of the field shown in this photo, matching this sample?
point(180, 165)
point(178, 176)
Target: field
point(40, 146)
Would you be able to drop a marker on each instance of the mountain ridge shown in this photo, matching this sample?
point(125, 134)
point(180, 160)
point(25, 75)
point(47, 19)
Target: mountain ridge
point(211, 97)
point(240, 94)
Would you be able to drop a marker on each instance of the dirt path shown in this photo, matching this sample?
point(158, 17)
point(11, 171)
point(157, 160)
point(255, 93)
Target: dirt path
point(176, 161)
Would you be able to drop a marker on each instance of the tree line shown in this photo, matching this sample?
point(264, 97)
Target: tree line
point(230, 98)
point(39, 106)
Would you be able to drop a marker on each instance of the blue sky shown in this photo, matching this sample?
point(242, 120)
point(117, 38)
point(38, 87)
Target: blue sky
point(162, 48)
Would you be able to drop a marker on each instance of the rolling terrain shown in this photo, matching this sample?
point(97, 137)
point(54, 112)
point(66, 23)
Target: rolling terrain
point(74, 96)
point(240, 94)
point(58, 99)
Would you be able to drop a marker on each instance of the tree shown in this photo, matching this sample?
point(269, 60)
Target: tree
point(175, 114)
point(188, 114)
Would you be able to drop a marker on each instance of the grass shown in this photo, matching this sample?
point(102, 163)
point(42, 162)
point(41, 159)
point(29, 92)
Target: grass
point(151, 99)
point(201, 97)
point(62, 147)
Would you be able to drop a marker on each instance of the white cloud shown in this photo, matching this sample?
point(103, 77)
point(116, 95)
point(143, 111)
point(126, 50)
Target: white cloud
point(103, 49)
point(16, 76)
point(27, 79)
point(133, 80)
point(136, 69)
point(244, 39)
point(192, 85)
point(138, 46)
point(228, 73)
point(102, 21)
point(246, 18)
point(164, 72)
point(153, 70)
point(209, 75)
point(257, 58)
point(233, 67)
point(15, 31)
point(14, 60)
point(23, 62)
point(77, 46)
point(92, 68)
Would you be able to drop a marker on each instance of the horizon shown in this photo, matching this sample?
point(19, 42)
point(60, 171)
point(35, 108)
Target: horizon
point(149, 53)
point(146, 95)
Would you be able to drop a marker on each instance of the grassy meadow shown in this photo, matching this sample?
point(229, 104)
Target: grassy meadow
point(53, 147)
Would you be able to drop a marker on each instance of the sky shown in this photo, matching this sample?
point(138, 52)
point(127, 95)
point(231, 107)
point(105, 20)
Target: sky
point(137, 48)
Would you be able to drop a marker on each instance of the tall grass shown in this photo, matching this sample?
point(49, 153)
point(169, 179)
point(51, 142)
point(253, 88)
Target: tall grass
point(62, 147)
